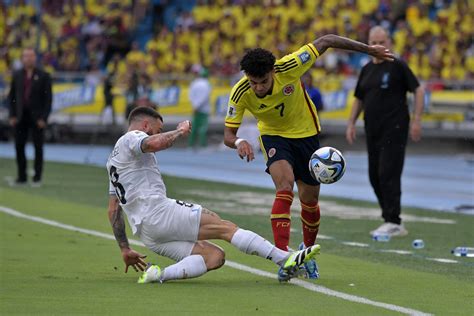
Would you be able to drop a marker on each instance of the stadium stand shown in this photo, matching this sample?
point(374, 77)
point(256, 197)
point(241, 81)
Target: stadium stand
point(164, 39)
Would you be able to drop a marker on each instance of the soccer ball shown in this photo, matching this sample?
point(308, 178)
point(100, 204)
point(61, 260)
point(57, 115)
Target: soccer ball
point(327, 165)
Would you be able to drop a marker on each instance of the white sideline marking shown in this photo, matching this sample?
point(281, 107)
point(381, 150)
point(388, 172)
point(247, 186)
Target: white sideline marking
point(321, 236)
point(355, 244)
point(443, 260)
point(324, 290)
point(400, 252)
point(235, 265)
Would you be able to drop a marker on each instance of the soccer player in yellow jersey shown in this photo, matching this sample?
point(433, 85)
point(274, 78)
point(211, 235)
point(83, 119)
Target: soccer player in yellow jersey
point(289, 126)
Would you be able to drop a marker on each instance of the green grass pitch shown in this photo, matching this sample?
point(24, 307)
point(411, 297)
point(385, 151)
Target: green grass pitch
point(47, 270)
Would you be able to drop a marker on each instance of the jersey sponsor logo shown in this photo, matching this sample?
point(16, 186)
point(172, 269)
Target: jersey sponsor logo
point(272, 152)
point(231, 111)
point(262, 106)
point(304, 57)
point(288, 89)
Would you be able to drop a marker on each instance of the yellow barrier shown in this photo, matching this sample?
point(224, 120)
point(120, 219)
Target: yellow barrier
point(74, 98)
point(181, 107)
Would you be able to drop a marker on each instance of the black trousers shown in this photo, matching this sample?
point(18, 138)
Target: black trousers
point(386, 153)
point(21, 137)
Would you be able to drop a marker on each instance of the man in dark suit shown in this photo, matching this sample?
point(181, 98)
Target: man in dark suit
point(30, 104)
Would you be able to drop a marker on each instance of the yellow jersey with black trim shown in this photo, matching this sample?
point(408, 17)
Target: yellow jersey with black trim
point(287, 111)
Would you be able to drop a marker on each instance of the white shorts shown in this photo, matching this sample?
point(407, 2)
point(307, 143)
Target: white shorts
point(173, 230)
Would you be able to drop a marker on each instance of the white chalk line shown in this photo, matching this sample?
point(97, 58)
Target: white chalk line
point(235, 265)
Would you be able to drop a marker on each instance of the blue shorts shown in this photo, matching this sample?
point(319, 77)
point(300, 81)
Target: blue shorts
point(297, 151)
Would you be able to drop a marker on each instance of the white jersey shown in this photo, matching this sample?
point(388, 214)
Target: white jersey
point(200, 94)
point(135, 179)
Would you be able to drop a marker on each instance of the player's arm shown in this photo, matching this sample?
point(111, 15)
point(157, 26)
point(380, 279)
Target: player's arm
point(230, 136)
point(335, 41)
point(233, 119)
point(162, 141)
point(355, 112)
point(415, 128)
point(130, 257)
point(244, 149)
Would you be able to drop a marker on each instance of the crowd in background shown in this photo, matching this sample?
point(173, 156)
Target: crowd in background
point(435, 37)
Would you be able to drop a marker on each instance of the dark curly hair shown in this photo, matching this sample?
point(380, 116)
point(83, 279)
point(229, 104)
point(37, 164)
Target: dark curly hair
point(140, 112)
point(257, 62)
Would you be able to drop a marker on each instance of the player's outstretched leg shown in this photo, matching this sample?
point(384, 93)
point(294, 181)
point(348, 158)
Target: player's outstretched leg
point(152, 274)
point(190, 267)
point(311, 270)
point(290, 263)
point(296, 259)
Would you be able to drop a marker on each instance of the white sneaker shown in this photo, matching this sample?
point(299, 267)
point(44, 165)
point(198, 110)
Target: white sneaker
point(390, 229)
point(151, 275)
point(397, 230)
point(380, 230)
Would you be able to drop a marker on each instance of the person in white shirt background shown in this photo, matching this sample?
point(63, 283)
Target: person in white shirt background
point(200, 96)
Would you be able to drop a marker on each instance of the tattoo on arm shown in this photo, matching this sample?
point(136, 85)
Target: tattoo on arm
point(170, 137)
point(145, 145)
point(335, 41)
point(118, 226)
point(160, 141)
point(206, 211)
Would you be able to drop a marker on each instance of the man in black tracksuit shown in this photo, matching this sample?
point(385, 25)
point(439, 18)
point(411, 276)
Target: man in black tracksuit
point(381, 93)
point(30, 104)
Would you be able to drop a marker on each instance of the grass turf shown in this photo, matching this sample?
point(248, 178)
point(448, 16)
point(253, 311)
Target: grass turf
point(48, 270)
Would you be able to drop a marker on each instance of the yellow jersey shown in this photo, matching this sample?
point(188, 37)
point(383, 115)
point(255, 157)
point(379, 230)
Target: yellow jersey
point(287, 111)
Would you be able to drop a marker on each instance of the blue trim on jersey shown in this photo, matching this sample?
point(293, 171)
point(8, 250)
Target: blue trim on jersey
point(140, 144)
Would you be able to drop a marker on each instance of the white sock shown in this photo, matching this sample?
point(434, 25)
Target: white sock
point(253, 244)
point(190, 267)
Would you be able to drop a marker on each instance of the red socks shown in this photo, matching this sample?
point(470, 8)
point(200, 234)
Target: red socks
point(310, 216)
point(281, 219)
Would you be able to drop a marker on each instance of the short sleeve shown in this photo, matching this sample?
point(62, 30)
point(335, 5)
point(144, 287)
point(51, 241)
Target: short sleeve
point(133, 141)
point(410, 79)
point(297, 63)
point(358, 92)
point(236, 106)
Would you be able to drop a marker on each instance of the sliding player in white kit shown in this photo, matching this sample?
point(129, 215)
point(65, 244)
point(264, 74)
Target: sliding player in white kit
point(170, 227)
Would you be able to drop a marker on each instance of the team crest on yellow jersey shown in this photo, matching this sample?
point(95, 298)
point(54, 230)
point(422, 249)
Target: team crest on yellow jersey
point(288, 89)
point(272, 152)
